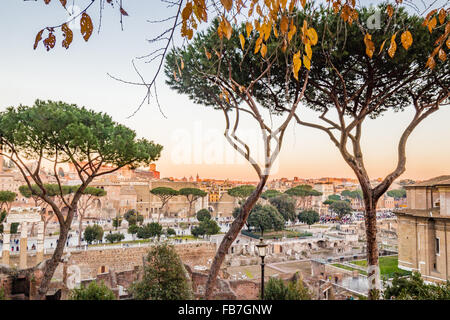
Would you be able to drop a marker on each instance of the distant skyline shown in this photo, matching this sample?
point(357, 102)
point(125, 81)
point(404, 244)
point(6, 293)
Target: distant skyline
point(192, 135)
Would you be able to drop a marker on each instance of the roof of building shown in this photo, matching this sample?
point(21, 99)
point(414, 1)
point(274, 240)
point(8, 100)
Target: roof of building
point(423, 213)
point(437, 181)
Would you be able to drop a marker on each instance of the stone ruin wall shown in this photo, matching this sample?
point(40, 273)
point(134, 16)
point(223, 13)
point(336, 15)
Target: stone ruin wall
point(245, 254)
point(125, 259)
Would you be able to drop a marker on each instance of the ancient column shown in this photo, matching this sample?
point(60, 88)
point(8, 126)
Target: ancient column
point(40, 243)
point(6, 243)
point(23, 245)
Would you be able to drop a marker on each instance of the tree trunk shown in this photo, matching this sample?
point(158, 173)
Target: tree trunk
point(52, 263)
point(190, 209)
point(80, 229)
point(231, 235)
point(373, 269)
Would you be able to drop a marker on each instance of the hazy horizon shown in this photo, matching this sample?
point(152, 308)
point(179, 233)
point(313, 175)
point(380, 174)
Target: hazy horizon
point(192, 137)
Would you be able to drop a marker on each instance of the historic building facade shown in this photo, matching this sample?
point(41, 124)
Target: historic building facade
point(424, 229)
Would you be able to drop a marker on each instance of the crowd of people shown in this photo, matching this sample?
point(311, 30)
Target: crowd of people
point(357, 216)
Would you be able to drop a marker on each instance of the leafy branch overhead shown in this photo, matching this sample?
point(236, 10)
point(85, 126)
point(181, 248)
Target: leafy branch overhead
point(275, 18)
point(86, 27)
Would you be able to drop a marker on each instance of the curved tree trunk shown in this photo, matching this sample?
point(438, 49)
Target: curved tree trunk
point(53, 262)
point(373, 268)
point(231, 235)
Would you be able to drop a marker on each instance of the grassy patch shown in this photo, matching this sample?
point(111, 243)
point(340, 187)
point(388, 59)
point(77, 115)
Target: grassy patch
point(388, 266)
point(283, 233)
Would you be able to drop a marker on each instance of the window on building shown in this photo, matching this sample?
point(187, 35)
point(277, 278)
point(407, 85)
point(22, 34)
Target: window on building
point(437, 246)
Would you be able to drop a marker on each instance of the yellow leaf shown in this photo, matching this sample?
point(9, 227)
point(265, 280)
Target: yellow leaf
point(297, 64)
point(432, 24)
point(431, 63)
point(382, 46)
point(308, 51)
point(291, 5)
point(187, 11)
point(182, 64)
point(227, 28)
point(390, 10)
point(284, 24)
point(258, 44)
point(312, 35)
point(227, 4)
point(241, 37)
point(442, 55)
point(292, 32)
point(307, 62)
point(370, 46)
point(263, 50)
point(303, 2)
point(393, 47)
point(442, 16)
point(407, 39)
point(275, 31)
point(267, 27)
point(448, 42)
point(249, 28)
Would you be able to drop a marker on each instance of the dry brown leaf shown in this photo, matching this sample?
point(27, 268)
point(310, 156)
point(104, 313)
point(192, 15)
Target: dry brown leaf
point(49, 43)
point(68, 36)
point(86, 26)
point(38, 38)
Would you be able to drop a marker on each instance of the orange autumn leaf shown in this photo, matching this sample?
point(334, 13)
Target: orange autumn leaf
point(241, 37)
point(307, 62)
point(227, 4)
point(393, 48)
point(249, 28)
point(38, 38)
point(208, 55)
point(263, 50)
point(431, 63)
point(442, 55)
point(86, 26)
point(407, 39)
point(297, 64)
point(49, 43)
point(68, 36)
point(432, 24)
point(284, 24)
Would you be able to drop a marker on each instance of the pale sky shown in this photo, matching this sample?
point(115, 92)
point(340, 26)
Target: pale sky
point(192, 135)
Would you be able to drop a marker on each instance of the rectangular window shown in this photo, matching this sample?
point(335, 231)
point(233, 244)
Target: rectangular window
point(437, 246)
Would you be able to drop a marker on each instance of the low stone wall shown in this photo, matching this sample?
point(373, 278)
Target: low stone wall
point(94, 262)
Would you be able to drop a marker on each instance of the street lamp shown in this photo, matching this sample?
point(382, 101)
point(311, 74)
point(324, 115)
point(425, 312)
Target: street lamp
point(262, 247)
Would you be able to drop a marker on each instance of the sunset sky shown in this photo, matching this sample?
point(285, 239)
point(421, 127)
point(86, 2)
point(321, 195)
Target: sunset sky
point(192, 135)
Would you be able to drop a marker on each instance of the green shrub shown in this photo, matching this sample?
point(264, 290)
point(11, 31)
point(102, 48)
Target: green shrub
point(413, 288)
point(276, 289)
point(203, 215)
point(93, 291)
point(93, 233)
point(114, 237)
point(164, 277)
